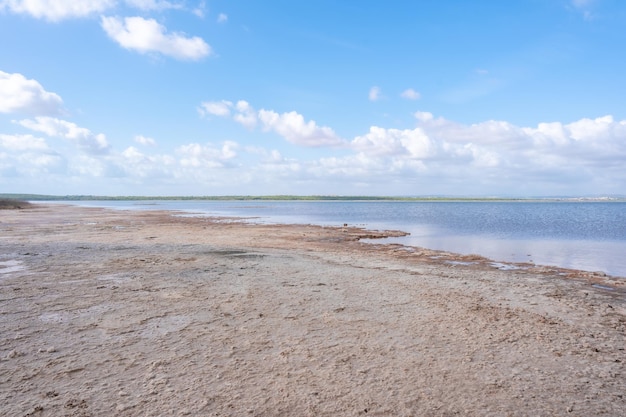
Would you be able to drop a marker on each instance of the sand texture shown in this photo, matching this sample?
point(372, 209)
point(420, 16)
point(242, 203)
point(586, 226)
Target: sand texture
point(117, 313)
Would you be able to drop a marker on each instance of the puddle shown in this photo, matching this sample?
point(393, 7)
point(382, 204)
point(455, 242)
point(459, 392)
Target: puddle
point(464, 263)
point(505, 267)
point(8, 267)
point(603, 287)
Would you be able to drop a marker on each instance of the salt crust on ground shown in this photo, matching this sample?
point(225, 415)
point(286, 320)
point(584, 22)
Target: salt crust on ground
point(118, 313)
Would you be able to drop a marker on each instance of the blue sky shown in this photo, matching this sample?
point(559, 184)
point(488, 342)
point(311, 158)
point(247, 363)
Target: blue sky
point(189, 97)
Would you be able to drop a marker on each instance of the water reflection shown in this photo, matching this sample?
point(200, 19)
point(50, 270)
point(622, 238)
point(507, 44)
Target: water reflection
point(605, 256)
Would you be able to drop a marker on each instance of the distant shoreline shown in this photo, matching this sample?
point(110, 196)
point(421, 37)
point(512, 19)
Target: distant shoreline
point(43, 197)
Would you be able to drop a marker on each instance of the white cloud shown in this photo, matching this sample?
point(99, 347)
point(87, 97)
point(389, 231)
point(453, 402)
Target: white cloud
point(222, 18)
point(588, 129)
point(22, 143)
point(359, 167)
point(584, 132)
point(410, 94)
point(295, 129)
point(143, 140)
point(206, 156)
point(57, 10)
point(394, 142)
point(587, 142)
point(139, 167)
point(27, 156)
point(21, 95)
point(133, 154)
point(480, 157)
point(200, 9)
point(20, 166)
point(290, 126)
point(56, 128)
point(246, 115)
point(495, 156)
point(215, 108)
point(547, 134)
point(148, 36)
point(154, 4)
point(374, 94)
point(424, 116)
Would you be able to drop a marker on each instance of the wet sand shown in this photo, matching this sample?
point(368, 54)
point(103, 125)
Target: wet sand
point(118, 313)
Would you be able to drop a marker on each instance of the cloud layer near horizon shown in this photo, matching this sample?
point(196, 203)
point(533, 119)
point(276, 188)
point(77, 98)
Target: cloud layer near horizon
point(493, 155)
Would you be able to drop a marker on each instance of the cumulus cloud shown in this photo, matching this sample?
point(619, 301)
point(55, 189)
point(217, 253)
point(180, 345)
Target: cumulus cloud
point(424, 116)
point(207, 156)
point(215, 108)
point(291, 125)
point(27, 156)
point(57, 128)
point(149, 36)
point(21, 95)
point(410, 94)
point(22, 143)
point(143, 140)
point(375, 94)
point(246, 115)
point(200, 9)
point(590, 142)
point(410, 143)
point(222, 18)
point(57, 10)
point(139, 166)
point(154, 4)
point(488, 157)
point(14, 168)
point(594, 129)
point(295, 129)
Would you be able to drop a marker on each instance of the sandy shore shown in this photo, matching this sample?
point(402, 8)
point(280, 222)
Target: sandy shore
point(116, 313)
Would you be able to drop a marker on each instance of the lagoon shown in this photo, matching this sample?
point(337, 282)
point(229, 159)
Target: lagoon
point(588, 236)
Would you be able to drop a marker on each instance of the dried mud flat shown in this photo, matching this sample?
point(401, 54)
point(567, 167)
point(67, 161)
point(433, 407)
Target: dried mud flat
point(117, 313)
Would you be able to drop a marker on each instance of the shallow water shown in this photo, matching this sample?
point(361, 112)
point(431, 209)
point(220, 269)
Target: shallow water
point(581, 235)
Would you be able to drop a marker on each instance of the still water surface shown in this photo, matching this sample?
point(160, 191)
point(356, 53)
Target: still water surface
point(581, 235)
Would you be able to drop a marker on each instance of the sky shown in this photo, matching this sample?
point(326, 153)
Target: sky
point(520, 98)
